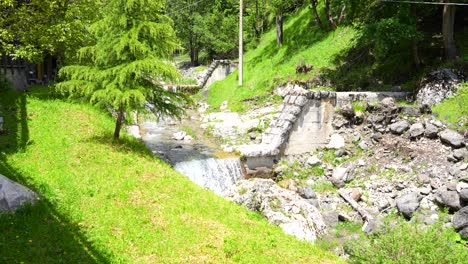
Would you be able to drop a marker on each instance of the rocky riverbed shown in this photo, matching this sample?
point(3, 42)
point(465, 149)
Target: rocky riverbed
point(382, 160)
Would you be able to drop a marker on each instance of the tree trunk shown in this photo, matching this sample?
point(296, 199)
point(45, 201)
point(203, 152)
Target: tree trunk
point(331, 23)
point(342, 15)
point(316, 15)
point(416, 59)
point(279, 29)
point(414, 43)
point(257, 20)
point(118, 123)
point(448, 23)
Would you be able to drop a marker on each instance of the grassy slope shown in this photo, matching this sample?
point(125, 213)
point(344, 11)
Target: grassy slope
point(107, 201)
point(267, 65)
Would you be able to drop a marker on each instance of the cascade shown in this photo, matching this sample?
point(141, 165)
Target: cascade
point(217, 175)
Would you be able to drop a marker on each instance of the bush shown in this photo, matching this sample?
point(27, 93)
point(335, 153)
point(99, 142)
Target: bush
point(409, 243)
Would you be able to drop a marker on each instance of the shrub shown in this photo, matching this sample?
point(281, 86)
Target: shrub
point(409, 243)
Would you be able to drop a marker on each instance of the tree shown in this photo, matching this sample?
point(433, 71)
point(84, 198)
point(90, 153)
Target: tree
point(448, 24)
point(124, 68)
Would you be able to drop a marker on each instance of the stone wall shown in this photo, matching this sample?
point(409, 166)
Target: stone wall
point(343, 98)
point(304, 123)
point(218, 70)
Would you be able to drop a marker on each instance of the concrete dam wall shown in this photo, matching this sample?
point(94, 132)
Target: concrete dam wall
point(303, 124)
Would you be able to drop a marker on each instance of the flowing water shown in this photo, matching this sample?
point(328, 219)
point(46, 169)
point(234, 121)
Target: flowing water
point(216, 175)
point(195, 159)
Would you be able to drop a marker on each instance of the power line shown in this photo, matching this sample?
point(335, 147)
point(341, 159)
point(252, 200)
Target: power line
point(180, 9)
point(425, 3)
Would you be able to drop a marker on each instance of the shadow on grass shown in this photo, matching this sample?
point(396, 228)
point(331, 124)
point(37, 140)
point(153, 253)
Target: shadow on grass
point(125, 144)
point(36, 233)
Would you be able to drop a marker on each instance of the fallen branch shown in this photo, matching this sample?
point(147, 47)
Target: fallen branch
point(365, 215)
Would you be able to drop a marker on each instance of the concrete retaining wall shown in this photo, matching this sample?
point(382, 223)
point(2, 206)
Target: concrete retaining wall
point(312, 128)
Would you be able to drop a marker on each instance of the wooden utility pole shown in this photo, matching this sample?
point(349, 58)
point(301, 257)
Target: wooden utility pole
point(241, 42)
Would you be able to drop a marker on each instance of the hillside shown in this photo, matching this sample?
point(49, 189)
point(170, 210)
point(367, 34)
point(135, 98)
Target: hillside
point(114, 202)
point(339, 57)
point(266, 65)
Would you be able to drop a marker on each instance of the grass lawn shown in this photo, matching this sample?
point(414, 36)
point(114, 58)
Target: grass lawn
point(267, 65)
point(114, 202)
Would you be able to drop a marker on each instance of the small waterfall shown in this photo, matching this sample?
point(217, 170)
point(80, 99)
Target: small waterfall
point(216, 175)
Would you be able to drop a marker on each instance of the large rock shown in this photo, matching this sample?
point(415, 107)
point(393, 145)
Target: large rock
point(452, 138)
point(416, 130)
point(464, 195)
point(408, 204)
point(438, 85)
point(464, 232)
point(314, 160)
point(179, 135)
point(342, 175)
point(399, 127)
point(307, 193)
point(450, 199)
point(14, 195)
point(336, 142)
point(460, 154)
point(431, 131)
point(295, 215)
point(460, 219)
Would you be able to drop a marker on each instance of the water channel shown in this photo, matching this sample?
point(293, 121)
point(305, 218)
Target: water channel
point(198, 159)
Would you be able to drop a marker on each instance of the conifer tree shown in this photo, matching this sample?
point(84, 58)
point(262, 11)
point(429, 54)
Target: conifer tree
point(124, 68)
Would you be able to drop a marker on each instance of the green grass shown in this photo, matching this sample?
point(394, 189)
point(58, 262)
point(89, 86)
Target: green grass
point(107, 201)
point(455, 109)
point(267, 65)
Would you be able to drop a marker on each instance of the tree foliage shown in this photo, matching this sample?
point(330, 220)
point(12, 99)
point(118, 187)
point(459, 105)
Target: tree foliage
point(210, 26)
point(125, 66)
point(36, 28)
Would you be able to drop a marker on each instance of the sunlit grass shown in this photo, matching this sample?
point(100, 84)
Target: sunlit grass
point(455, 109)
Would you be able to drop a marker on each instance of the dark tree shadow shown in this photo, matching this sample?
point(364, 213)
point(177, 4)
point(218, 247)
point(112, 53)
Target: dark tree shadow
point(124, 144)
point(357, 66)
point(36, 233)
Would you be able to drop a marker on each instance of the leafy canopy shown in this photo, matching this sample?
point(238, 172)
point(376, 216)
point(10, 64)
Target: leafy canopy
point(36, 28)
point(125, 67)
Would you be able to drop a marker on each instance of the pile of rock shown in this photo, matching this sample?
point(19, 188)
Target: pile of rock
point(295, 215)
point(438, 85)
point(413, 163)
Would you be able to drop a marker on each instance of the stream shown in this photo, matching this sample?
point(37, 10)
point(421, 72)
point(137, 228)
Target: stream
point(198, 159)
